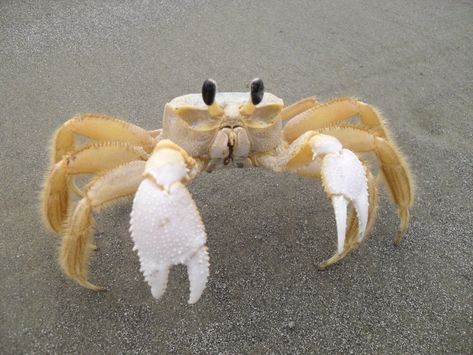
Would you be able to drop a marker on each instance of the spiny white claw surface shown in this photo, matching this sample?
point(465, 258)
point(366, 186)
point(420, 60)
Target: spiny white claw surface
point(340, 204)
point(345, 179)
point(167, 230)
point(198, 271)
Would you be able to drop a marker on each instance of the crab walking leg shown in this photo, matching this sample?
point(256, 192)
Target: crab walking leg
point(393, 165)
point(332, 112)
point(297, 108)
point(116, 184)
point(91, 159)
point(166, 226)
point(100, 128)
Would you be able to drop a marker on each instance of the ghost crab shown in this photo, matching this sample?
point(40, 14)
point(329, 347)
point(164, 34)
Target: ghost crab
point(206, 132)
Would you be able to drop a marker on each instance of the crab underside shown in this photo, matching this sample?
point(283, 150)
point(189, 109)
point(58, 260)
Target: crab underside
point(206, 132)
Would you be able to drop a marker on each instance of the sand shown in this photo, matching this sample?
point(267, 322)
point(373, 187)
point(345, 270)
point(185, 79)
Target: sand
point(266, 232)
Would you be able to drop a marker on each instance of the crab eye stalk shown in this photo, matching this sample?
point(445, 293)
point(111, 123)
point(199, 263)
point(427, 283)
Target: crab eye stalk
point(209, 90)
point(257, 91)
point(256, 96)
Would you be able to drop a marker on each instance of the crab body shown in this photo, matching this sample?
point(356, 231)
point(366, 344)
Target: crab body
point(202, 133)
point(226, 139)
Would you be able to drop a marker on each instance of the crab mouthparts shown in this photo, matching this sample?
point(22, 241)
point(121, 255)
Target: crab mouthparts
point(230, 145)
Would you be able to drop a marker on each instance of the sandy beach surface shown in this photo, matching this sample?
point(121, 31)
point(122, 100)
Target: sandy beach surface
point(267, 232)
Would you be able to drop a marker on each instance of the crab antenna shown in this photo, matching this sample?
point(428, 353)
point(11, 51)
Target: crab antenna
point(209, 91)
point(256, 96)
point(257, 91)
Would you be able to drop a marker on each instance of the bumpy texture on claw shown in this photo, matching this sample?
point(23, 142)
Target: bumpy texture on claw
point(166, 226)
point(352, 227)
point(344, 180)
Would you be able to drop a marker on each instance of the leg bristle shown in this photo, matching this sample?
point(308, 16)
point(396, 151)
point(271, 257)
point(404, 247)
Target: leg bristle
point(75, 248)
point(55, 198)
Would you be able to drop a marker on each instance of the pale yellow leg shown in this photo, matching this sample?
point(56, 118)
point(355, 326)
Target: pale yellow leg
point(297, 108)
point(76, 188)
point(100, 128)
point(91, 159)
point(331, 113)
point(116, 184)
point(394, 167)
point(155, 133)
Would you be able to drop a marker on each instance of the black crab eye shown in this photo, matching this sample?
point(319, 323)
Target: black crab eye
point(209, 89)
point(257, 91)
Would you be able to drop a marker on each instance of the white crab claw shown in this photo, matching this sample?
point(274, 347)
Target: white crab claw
point(167, 229)
point(344, 178)
point(345, 181)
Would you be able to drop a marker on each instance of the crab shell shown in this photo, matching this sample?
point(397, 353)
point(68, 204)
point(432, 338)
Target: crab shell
point(188, 123)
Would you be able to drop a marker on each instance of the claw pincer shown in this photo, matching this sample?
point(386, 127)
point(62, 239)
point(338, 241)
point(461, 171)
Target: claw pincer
point(166, 226)
point(344, 179)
